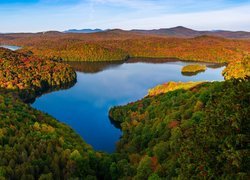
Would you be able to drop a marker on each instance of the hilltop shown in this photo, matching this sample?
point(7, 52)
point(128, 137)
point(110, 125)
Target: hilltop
point(117, 45)
point(178, 31)
point(184, 32)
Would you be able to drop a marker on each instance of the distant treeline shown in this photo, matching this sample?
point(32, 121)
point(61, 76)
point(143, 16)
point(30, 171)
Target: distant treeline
point(119, 45)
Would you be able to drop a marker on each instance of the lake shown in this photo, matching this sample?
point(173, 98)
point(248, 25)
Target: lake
point(85, 106)
point(13, 48)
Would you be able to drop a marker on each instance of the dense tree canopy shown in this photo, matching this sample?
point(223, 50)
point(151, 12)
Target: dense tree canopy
point(188, 134)
point(201, 132)
point(31, 75)
point(118, 45)
point(33, 145)
point(238, 69)
point(186, 131)
point(193, 69)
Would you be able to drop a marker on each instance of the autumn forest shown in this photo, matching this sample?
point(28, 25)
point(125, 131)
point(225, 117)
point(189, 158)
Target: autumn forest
point(179, 130)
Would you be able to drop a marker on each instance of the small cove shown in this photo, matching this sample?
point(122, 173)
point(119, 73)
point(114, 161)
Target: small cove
point(85, 106)
point(13, 48)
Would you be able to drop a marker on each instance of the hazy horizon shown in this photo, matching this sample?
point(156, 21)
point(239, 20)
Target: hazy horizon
point(54, 30)
point(60, 15)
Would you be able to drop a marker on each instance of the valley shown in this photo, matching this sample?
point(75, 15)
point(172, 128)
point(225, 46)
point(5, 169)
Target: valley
point(194, 127)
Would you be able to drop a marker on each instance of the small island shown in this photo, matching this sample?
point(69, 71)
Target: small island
point(193, 69)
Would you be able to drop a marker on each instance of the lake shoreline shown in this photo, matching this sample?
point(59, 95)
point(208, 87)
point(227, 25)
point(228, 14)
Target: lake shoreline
point(92, 84)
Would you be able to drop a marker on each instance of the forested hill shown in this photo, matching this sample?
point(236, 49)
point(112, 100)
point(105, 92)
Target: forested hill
point(198, 133)
point(34, 145)
point(201, 133)
point(116, 45)
point(184, 32)
point(32, 76)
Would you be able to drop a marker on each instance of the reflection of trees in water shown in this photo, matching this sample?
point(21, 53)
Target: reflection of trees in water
point(152, 60)
point(93, 67)
point(116, 124)
point(216, 65)
point(191, 73)
point(166, 60)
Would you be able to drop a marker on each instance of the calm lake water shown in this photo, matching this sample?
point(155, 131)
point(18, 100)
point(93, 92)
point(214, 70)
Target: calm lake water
point(13, 48)
point(85, 106)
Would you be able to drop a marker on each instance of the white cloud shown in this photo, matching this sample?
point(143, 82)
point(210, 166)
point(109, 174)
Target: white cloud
point(138, 4)
point(126, 14)
point(231, 19)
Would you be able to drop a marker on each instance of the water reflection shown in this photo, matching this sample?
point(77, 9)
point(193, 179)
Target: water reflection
point(216, 65)
point(85, 106)
point(191, 73)
point(93, 67)
point(152, 60)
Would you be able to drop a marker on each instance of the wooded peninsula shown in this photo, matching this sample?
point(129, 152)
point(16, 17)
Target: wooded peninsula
point(196, 130)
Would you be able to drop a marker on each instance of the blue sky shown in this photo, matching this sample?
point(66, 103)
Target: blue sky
point(44, 15)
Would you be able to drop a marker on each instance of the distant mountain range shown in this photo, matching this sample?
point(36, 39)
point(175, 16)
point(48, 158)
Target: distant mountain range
point(184, 32)
point(178, 31)
point(83, 30)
